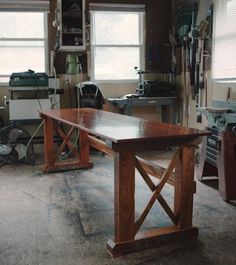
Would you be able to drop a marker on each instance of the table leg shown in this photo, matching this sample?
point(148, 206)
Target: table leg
point(53, 162)
point(124, 201)
point(49, 154)
point(165, 113)
point(84, 149)
point(174, 112)
point(128, 238)
point(185, 187)
point(127, 110)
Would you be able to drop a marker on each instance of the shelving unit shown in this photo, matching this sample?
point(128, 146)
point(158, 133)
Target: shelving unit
point(72, 25)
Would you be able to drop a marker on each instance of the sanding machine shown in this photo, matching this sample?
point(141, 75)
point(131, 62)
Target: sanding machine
point(218, 154)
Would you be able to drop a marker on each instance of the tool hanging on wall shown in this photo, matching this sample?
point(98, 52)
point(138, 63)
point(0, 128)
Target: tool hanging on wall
point(183, 27)
point(199, 78)
point(72, 64)
point(56, 24)
point(72, 67)
point(205, 32)
point(193, 50)
point(192, 37)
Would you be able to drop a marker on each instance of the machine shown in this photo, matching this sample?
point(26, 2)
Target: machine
point(90, 96)
point(28, 78)
point(15, 146)
point(153, 88)
point(218, 154)
point(31, 92)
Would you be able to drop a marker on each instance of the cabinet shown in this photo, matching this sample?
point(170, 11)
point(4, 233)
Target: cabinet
point(71, 25)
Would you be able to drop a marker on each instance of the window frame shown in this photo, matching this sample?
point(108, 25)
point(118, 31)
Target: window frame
point(141, 47)
point(44, 40)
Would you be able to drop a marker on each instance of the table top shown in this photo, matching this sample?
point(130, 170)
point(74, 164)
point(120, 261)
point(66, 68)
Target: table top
point(120, 128)
point(127, 98)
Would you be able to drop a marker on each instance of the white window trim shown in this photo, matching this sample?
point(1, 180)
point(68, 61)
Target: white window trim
point(25, 5)
point(45, 40)
point(142, 26)
point(116, 7)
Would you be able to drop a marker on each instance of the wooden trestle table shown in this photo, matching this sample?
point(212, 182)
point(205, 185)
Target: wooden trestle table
point(123, 137)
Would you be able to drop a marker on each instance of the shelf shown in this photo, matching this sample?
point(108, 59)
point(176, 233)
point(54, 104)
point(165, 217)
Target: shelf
point(72, 33)
point(72, 16)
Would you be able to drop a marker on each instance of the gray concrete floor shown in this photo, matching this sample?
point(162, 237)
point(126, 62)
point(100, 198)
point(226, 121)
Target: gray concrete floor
point(66, 218)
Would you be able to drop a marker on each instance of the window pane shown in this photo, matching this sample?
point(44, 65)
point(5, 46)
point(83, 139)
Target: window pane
point(116, 28)
point(4, 79)
point(223, 66)
point(224, 40)
point(116, 63)
point(19, 59)
point(231, 16)
point(21, 25)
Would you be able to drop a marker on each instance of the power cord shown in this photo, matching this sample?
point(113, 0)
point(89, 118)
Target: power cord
point(53, 104)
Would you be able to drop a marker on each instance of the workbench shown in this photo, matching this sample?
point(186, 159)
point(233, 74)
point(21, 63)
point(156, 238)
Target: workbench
point(123, 137)
point(126, 105)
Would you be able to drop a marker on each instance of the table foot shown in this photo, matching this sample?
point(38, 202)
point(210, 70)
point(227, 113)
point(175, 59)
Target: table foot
point(153, 238)
point(65, 166)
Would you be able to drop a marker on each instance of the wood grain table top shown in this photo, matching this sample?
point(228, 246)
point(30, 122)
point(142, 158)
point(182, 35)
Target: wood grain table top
point(120, 128)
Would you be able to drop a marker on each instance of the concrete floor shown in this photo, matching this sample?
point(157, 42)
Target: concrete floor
point(66, 219)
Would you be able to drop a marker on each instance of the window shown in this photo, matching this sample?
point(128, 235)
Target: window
point(22, 43)
point(117, 42)
point(23, 36)
point(224, 44)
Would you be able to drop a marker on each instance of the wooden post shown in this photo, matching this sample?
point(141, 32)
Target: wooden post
point(84, 147)
point(49, 153)
point(124, 196)
point(185, 187)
